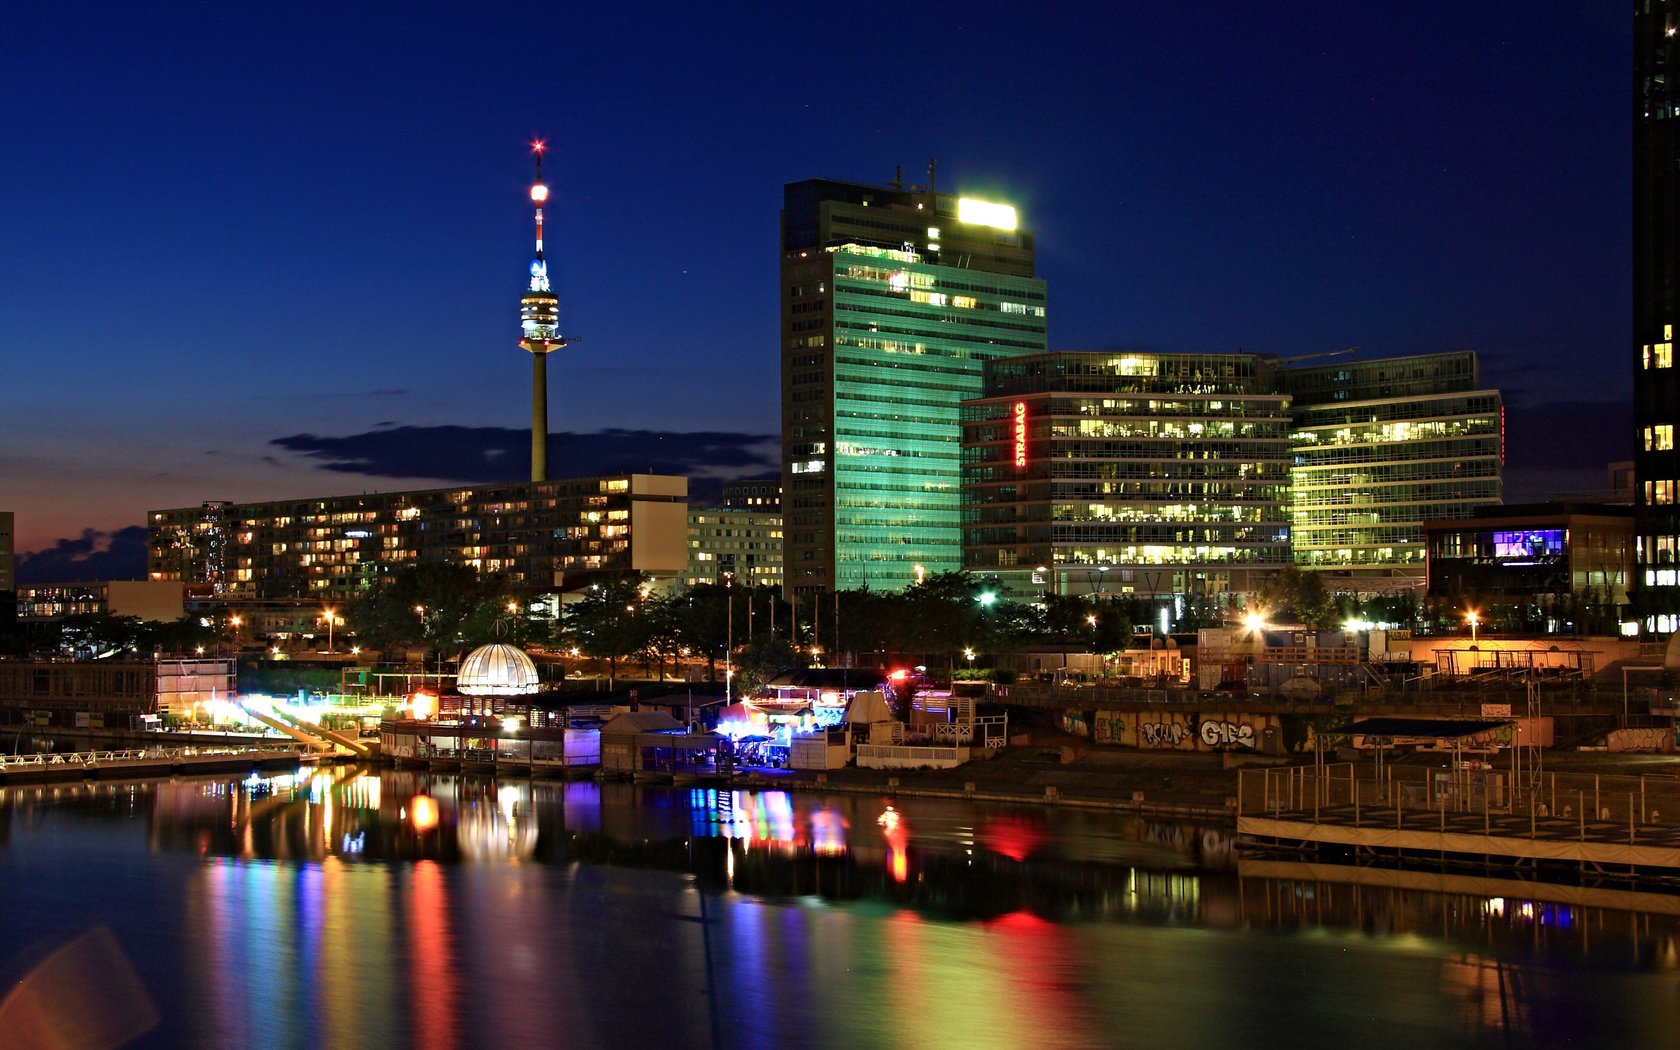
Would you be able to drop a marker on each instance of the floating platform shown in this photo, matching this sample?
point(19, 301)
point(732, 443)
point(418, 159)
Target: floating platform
point(1603, 823)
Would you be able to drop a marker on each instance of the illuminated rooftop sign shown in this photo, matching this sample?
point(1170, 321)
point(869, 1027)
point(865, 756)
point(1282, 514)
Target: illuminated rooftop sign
point(986, 213)
point(1020, 435)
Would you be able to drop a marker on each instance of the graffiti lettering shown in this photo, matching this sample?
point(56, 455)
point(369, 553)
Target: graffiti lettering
point(1227, 734)
point(1109, 729)
point(1161, 734)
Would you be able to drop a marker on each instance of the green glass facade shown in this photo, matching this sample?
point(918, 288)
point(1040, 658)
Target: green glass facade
point(881, 343)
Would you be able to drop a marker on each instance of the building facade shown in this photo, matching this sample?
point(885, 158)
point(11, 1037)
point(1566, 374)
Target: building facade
point(1561, 567)
point(537, 536)
point(1381, 449)
point(753, 494)
point(893, 299)
point(740, 545)
point(1656, 310)
point(155, 600)
point(1127, 473)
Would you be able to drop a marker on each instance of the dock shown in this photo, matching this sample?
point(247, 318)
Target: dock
point(1472, 816)
point(139, 762)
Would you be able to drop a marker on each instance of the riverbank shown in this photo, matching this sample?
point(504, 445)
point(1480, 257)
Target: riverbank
point(1053, 772)
point(1066, 771)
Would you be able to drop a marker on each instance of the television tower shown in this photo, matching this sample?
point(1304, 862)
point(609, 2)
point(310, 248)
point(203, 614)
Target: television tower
point(539, 323)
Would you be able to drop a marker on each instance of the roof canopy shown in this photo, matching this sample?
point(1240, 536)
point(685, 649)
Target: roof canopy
point(1428, 728)
point(497, 670)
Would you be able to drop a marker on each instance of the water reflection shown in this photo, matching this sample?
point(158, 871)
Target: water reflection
point(347, 907)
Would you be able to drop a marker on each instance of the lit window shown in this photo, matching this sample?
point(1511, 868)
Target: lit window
point(1663, 435)
point(1662, 355)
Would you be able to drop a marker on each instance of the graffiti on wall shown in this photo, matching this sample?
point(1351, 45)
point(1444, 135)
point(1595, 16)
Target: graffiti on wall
point(1182, 730)
point(1109, 728)
point(1161, 734)
point(1227, 734)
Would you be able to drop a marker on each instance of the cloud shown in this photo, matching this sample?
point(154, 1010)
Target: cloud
point(119, 555)
point(487, 455)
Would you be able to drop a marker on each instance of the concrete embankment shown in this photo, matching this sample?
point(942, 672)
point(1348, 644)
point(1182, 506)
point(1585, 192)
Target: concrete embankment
point(1178, 786)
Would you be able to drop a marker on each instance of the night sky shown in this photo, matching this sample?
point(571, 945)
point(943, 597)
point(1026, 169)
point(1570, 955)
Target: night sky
point(260, 252)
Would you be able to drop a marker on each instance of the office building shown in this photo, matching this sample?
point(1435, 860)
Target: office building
point(743, 546)
point(893, 300)
point(1656, 310)
point(1555, 567)
point(754, 494)
point(1382, 448)
point(537, 536)
point(1127, 473)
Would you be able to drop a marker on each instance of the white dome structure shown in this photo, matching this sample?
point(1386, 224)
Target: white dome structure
point(497, 670)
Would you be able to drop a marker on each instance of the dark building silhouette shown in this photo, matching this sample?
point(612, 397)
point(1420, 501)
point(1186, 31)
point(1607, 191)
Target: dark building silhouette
point(1656, 309)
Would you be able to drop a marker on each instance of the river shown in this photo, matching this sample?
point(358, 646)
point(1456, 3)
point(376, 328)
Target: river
point(346, 908)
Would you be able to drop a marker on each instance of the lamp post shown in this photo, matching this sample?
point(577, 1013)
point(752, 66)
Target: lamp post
point(1473, 620)
point(729, 639)
point(235, 621)
point(331, 618)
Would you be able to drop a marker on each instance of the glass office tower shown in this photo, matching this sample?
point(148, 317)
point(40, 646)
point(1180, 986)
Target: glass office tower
point(893, 300)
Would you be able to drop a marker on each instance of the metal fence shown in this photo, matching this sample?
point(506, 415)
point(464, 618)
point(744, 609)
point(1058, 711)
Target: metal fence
point(1409, 797)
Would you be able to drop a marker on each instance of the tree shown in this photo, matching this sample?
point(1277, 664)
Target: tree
point(604, 623)
point(760, 659)
point(426, 604)
point(1302, 593)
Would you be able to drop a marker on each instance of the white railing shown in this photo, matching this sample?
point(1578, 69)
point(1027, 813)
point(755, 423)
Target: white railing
point(93, 759)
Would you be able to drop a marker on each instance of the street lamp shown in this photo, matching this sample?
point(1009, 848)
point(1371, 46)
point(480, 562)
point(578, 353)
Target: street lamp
point(729, 639)
point(970, 654)
point(331, 618)
point(1473, 620)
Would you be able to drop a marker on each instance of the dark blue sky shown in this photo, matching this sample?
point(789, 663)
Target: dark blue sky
point(229, 226)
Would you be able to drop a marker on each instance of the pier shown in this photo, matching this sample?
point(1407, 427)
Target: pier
point(1467, 814)
point(148, 762)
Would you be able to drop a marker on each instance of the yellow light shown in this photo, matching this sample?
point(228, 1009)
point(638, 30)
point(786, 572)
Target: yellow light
point(1255, 622)
point(539, 193)
point(424, 812)
point(986, 213)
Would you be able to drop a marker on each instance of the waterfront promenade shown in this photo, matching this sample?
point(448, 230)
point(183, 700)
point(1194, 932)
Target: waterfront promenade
point(141, 762)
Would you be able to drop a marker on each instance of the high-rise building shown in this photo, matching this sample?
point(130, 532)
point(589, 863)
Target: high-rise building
point(1382, 447)
point(1656, 310)
point(893, 299)
point(1127, 473)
